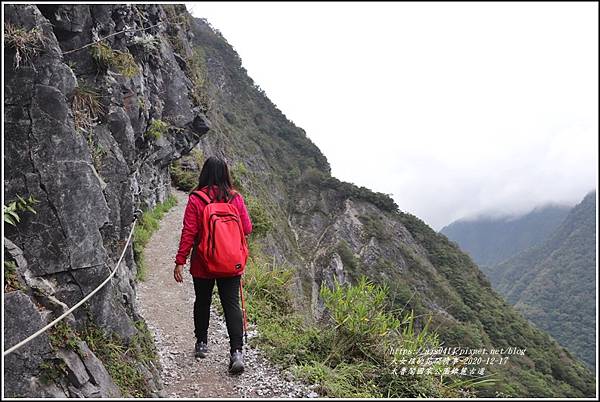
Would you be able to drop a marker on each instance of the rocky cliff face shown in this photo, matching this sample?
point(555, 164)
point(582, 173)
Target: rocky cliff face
point(89, 132)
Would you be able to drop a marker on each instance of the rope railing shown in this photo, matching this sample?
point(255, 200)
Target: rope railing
point(128, 30)
point(113, 34)
point(86, 298)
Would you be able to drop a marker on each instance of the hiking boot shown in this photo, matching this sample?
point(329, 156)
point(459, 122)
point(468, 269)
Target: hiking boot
point(201, 349)
point(236, 362)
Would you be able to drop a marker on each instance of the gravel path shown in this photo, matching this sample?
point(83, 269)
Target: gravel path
point(167, 308)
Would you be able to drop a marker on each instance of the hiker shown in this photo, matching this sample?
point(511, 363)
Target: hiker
point(215, 189)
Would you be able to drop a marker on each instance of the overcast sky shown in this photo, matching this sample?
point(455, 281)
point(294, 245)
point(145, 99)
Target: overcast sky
point(455, 109)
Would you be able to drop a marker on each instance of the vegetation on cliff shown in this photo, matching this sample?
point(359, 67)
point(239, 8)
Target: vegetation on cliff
point(121, 358)
point(356, 351)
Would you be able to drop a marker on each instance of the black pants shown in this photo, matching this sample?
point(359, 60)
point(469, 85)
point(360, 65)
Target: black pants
point(229, 290)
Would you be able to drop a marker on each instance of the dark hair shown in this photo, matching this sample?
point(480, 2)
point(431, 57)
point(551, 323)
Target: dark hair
point(216, 173)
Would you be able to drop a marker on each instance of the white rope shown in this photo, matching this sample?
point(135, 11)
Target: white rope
point(69, 311)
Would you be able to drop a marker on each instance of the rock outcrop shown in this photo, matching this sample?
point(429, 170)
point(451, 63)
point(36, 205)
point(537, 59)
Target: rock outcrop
point(90, 132)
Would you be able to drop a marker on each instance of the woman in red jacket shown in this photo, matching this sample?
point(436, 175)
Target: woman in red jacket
point(216, 182)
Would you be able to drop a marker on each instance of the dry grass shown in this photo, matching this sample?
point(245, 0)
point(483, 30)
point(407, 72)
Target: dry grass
point(87, 108)
point(27, 44)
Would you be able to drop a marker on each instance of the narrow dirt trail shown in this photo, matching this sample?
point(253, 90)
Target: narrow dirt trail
point(167, 307)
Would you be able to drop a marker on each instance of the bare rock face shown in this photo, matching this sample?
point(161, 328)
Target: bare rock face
point(21, 319)
point(77, 140)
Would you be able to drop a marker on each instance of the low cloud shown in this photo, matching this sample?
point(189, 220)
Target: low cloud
point(456, 109)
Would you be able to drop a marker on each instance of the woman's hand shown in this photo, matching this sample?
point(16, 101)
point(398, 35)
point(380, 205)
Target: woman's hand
point(178, 273)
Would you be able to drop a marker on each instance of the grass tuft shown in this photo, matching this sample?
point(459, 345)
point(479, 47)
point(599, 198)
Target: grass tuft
point(156, 129)
point(27, 44)
point(11, 282)
point(87, 108)
point(107, 57)
point(63, 336)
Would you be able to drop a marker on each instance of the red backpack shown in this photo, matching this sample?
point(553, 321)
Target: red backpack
point(222, 244)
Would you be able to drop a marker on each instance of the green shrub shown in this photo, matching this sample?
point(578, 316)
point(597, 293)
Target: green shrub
point(284, 335)
point(197, 73)
point(383, 265)
point(268, 286)
point(62, 336)
point(52, 370)
point(177, 14)
point(176, 43)
point(374, 227)
point(183, 179)
point(355, 352)
point(198, 157)
point(361, 318)
point(106, 57)
point(197, 67)
point(262, 223)
point(239, 172)
point(350, 261)
point(156, 129)
point(11, 211)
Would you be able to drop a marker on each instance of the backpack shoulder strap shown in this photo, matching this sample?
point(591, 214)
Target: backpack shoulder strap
point(202, 195)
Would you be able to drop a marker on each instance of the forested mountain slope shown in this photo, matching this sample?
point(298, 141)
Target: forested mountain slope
point(553, 284)
point(489, 241)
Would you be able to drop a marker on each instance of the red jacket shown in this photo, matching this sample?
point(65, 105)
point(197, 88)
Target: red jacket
point(192, 226)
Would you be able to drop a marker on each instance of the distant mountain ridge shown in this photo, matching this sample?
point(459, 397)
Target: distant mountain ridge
point(553, 284)
point(490, 241)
